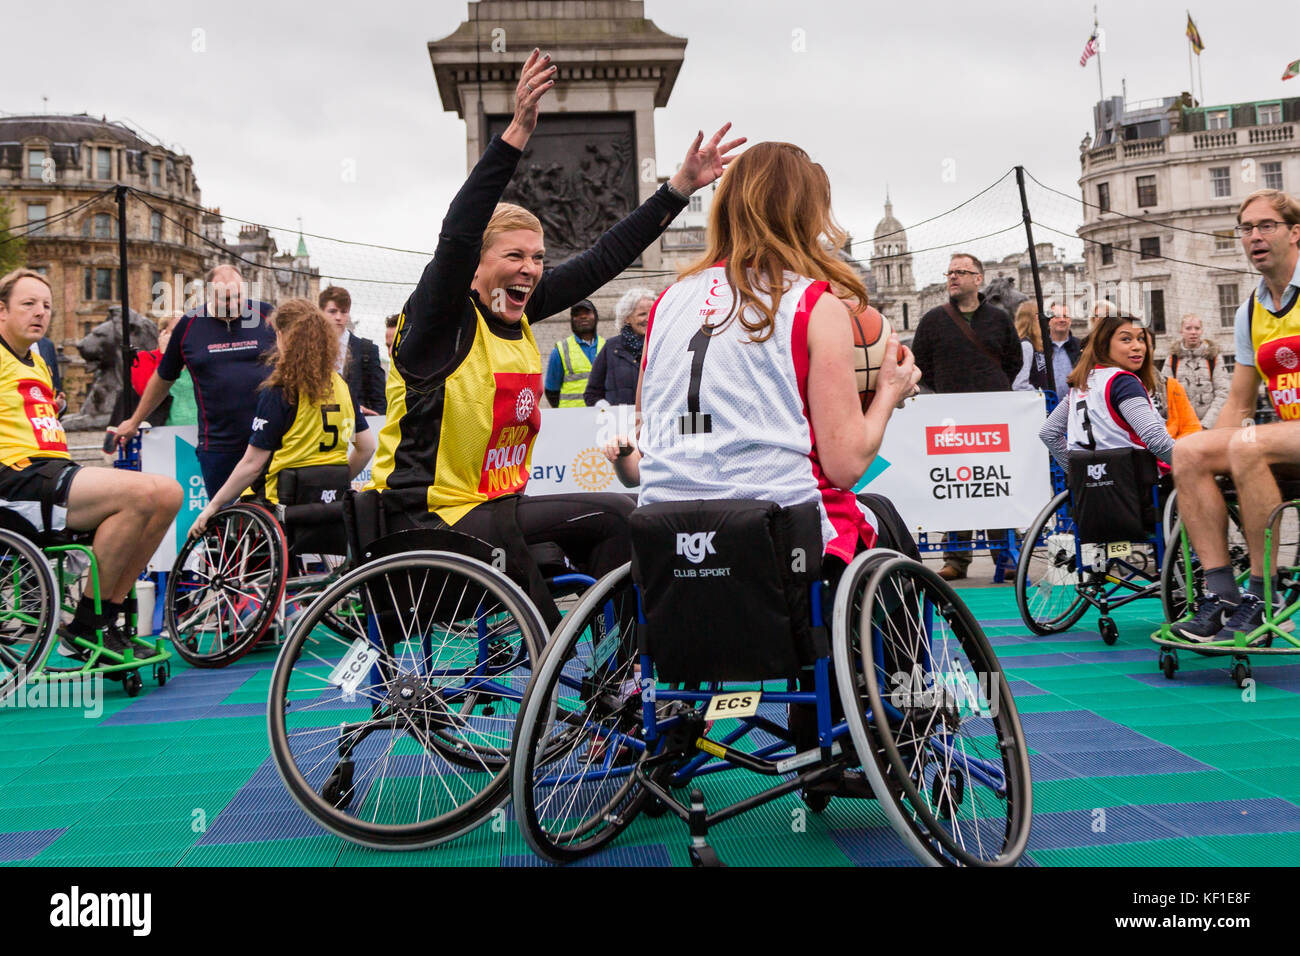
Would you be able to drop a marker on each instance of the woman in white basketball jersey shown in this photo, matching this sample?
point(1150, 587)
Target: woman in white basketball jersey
point(1109, 403)
point(747, 385)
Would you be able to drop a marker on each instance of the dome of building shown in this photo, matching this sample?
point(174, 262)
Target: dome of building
point(889, 226)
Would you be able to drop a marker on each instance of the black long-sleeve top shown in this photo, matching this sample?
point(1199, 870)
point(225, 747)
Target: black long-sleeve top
point(439, 325)
point(949, 362)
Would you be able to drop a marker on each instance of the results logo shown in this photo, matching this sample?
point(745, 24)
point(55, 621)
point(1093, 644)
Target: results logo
point(964, 439)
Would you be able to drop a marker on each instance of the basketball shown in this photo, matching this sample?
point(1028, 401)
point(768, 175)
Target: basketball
point(870, 336)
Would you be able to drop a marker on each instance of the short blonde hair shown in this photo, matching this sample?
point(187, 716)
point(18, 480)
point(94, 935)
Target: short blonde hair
point(1284, 205)
point(10, 280)
point(508, 217)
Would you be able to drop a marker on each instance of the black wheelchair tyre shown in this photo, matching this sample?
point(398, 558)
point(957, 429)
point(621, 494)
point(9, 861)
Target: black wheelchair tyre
point(240, 595)
point(445, 711)
point(1066, 604)
point(570, 712)
point(906, 604)
point(1174, 567)
point(29, 611)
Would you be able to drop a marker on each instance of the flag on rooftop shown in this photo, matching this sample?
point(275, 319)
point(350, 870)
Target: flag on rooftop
point(1293, 69)
point(1089, 49)
point(1194, 35)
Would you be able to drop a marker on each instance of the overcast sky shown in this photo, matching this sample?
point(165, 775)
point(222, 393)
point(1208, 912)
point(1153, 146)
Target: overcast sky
point(898, 93)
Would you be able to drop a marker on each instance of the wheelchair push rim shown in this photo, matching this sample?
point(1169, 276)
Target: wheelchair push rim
point(28, 611)
point(226, 586)
point(948, 726)
point(1047, 575)
point(396, 734)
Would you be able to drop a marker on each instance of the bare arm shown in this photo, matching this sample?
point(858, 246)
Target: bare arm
point(363, 449)
point(1240, 405)
point(622, 451)
point(154, 392)
point(249, 467)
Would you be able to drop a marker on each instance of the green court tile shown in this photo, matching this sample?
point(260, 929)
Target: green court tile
point(308, 851)
point(795, 849)
point(1229, 732)
point(1051, 796)
point(1102, 704)
point(1199, 787)
point(144, 856)
point(158, 784)
point(1262, 849)
point(46, 816)
point(77, 776)
point(1155, 716)
point(1083, 679)
point(1235, 756)
point(1286, 708)
point(95, 751)
point(1281, 781)
point(1007, 653)
point(439, 856)
point(99, 835)
point(1042, 704)
point(1178, 852)
point(176, 762)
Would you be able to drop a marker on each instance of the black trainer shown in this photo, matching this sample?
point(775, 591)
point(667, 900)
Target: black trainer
point(1249, 615)
point(1206, 624)
point(68, 646)
point(118, 639)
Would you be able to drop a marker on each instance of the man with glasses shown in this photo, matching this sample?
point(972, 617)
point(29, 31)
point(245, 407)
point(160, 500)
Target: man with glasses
point(1268, 348)
point(966, 345)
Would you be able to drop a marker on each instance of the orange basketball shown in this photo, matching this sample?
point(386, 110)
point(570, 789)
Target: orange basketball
point(870, 336)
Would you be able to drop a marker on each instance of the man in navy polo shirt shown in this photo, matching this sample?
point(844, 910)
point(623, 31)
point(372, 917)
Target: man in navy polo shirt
point(222, 345)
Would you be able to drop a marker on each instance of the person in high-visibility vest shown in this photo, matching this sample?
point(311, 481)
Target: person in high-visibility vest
point(570, 362)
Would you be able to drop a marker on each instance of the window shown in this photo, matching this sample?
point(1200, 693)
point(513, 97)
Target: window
point(1107, 254)
point(155, 172)
point(99, 284)
point(1225, 240)
point(1269, 114)
point(905, 317)
point(1146, 186)
point(1217, 119)
point(1220, 181)
point(1103, 197)
point(1155, 310)
point(103, 226)
point(155, 226)
point(36, 214)
point(35, 163)
point(1228, 303)
point(1272, 175)
point(697, 204)
point(1150, 247)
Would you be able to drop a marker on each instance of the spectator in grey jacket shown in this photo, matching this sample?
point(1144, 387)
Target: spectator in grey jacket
point(1195, 361)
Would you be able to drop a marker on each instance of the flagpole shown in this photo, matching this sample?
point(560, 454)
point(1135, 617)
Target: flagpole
point(1101, 94)
point(1191, 77)
point(1199, 70)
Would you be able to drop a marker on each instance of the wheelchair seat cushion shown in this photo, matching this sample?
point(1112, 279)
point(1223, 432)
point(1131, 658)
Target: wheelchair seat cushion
point(725, 587)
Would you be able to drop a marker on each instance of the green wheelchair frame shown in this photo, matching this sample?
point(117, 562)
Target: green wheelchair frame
point(1243, 644)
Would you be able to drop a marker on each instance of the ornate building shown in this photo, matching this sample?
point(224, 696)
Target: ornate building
point(1161, 183)
point(272, 276)
point(51, 164)
point(891, 269)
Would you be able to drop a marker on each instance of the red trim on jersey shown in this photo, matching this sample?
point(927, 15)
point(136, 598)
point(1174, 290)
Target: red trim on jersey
point(649, 325)
point(841, 506)
point(1115, 416)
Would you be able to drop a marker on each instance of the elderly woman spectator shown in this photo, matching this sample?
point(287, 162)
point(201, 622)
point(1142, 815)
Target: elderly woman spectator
point(1195, 362)
point(615, 371)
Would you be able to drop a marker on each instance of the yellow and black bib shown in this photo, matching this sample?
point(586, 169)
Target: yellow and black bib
point(1276, 340)
point(467, 438)
point(29, 420)
point(320, 435)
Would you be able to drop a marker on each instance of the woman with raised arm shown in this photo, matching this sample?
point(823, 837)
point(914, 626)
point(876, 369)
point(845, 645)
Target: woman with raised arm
point(465, 383)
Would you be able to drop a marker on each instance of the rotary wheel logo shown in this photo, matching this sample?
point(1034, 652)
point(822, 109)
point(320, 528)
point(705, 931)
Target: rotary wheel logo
point(524, 404)
point(592, 470)
point(1286, 358)
point(37, 394)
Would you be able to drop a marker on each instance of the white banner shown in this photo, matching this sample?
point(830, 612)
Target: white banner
point(948, 462)
point(964, 462)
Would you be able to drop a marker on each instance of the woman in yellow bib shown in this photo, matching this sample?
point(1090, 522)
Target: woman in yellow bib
point(305, 414)
point(465, 383)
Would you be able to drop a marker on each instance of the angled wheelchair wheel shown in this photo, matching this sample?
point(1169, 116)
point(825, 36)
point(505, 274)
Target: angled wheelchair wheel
point(391, 724)
point(943, 725)
point(1181, 566)
point(29, 611)
point(580, 729)
point(1047, 575)
point(226, 586)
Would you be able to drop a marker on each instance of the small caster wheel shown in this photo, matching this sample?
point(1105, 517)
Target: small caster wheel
point(816, 802)
point(1241, 673)
point(654, 808)
point(1169, 665)
point(948, 798)
point(161, 672)
point(132, 683)
point(337, 788)
point(705, 856)
point(1109, 632)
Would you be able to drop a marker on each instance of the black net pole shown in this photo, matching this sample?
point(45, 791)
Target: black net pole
point(128, 353)
point(1033, 263)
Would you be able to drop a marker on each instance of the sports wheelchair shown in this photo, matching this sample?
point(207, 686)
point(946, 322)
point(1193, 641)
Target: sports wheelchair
point(42, 578)
point(1097, 543)
point(1182, 565)
point(394, 697)
point(256, 566)
point(680, 665)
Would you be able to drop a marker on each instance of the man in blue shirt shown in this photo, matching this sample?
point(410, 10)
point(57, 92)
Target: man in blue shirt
point(1064, 350)
point(570, 362)
point(221, 345)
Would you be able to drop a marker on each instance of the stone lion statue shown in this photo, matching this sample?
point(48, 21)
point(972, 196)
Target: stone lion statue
point(1003, 293)
point(102, 351)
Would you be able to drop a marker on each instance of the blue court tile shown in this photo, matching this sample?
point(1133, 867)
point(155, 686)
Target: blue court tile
point(1226, 817)
point(238, 710)
point(256, 827)
point(1076, 828)
point(652, 855)
point(146, 713)
point(1122, 763)
point(1110, 657)
point(1090, 739)
point(27, 844)
point(1052, 720)
point(874, 847)
point(1022, 688)
point(1043, 768)
point(1029, 661)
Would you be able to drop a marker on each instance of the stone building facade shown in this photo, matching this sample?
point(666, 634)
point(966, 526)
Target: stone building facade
point(1161, 183)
